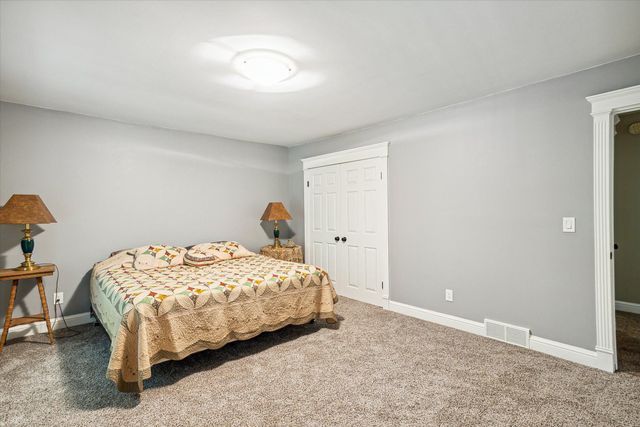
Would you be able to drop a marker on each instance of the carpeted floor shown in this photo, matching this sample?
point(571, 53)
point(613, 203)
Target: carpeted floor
point(628, 342)
point(375, 368)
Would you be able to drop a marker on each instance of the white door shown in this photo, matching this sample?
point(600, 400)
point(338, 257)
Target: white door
point(362, 243)
point(322, 246)
point(346, 221)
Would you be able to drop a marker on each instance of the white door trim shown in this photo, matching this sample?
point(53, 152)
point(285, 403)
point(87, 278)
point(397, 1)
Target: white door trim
point(380, 150)
point(603, 109)
point(344, 156)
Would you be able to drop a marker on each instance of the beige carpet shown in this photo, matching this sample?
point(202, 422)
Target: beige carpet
point(376, 368)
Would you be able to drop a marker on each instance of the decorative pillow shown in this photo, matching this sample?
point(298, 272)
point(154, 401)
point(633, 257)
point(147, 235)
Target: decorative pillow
point(158, 256)
point(213, 252)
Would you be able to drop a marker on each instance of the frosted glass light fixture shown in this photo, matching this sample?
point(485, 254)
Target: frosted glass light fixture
point(264, 67)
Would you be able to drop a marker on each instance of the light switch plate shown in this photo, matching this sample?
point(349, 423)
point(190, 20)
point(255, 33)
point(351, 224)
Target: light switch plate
point(568, 224)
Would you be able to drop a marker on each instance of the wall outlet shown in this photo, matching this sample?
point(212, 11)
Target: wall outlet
point(58, 298)
point(448, 295)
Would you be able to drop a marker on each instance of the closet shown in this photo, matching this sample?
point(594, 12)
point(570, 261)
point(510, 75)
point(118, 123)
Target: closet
point(346, 220)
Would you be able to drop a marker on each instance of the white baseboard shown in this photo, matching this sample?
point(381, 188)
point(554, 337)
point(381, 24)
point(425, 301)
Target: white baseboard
point(439, 318)
point(564, 351)
point(594, 359)
point(41, 327)
point(630, 307)
point(606, 361)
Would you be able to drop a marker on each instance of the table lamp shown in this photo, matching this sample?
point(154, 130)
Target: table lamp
point(275, 211)
point(26, 209)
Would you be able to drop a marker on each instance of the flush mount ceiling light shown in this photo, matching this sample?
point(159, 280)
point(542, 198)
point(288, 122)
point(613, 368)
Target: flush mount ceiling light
point(259, 63)
point(264, 67)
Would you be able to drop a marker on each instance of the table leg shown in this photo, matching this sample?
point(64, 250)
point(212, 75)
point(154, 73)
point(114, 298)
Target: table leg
point(45, 308)
point(7, 319)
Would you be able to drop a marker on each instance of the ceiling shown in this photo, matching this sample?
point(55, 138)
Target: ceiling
point(360, 63)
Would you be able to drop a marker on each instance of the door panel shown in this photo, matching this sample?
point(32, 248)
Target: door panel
point(332, 212)
point(332, 260)
point(370, 269)
point(318, 214)
point(370, 210)
point(317, 253)
point(352, 266)
point(361, 184)
point(325, 207)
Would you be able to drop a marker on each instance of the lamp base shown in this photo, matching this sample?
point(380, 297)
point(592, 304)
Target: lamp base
point(27, 245)
point(23, 267)
point(276, 235)
point(27, 265)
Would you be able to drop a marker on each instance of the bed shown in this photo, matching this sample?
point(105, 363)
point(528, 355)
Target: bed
point(169, 313)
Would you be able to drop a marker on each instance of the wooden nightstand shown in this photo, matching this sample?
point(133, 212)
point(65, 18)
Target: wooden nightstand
point(16, 276)
point(285, 253)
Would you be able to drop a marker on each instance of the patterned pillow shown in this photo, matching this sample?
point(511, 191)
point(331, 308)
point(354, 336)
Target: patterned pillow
point(213, 252)
point(158, 256)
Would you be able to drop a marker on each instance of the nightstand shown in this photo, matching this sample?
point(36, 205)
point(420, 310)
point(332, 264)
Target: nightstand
point(285, 253)
point(16, 276)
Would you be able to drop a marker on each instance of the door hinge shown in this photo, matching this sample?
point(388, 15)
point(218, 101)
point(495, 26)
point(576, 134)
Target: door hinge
point(382, 285)
point(380, 175)
point(610, 255)
point(307, 183)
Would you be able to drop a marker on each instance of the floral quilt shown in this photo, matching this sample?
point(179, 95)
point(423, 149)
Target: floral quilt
point(169, 313)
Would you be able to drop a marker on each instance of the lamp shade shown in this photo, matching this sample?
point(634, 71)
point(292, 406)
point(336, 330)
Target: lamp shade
point(275, 211)
point(25, 209)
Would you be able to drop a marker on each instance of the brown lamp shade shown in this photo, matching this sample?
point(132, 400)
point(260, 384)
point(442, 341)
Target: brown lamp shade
point(25, 209)
point(275, 212)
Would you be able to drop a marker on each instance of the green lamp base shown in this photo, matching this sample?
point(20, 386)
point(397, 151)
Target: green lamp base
point(27, 244)
point(276, 235)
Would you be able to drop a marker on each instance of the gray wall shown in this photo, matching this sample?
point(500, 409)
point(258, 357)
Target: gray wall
point(477, 193)
point(112, 185)
point(627, 210)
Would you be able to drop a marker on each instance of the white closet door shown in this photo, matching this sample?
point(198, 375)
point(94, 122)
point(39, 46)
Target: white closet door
point(346, 220)
point(362, 221)
point(324, 207)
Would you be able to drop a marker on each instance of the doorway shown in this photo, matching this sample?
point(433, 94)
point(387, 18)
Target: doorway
point(604, 107)
point(346, 220)
point(626, 205)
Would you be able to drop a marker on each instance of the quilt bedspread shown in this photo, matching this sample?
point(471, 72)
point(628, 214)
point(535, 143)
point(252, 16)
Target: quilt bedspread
point(172, 312)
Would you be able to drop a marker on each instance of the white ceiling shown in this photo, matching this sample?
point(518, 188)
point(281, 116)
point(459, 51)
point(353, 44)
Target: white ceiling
point(360, 62)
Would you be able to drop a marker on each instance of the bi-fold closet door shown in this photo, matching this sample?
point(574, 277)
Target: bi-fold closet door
point(346, 226)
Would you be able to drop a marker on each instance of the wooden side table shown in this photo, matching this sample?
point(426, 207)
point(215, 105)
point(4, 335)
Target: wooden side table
point(285, 253)
point(16, 276)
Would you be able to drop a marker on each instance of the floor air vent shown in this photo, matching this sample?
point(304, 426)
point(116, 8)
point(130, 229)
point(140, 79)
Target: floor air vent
point(507, 333)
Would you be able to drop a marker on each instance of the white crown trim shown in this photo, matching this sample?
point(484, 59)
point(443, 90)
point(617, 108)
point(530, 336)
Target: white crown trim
point(344, 156)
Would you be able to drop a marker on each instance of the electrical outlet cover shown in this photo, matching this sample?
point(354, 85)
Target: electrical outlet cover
point(58, 298)
point(448, 295)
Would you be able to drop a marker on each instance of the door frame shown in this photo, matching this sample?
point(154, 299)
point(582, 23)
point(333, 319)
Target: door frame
point(380, 150)
point(604, 107)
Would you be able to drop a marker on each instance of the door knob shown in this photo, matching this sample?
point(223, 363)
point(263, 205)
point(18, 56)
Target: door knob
point(336, 238)
point(344, 239)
